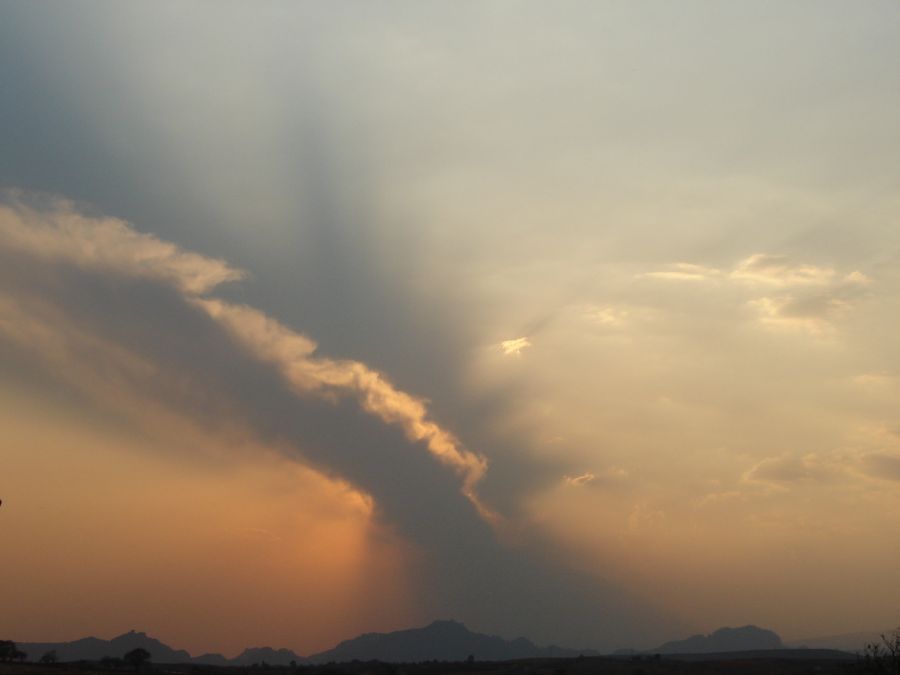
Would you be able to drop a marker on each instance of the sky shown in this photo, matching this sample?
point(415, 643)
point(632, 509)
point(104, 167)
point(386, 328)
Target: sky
point(575, 321)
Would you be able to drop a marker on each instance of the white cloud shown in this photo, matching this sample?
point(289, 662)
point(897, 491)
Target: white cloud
point(777, 270)
point(808, 298)
point(685, 272)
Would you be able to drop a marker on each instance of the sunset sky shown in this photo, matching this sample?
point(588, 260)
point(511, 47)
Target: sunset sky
point(574, 320)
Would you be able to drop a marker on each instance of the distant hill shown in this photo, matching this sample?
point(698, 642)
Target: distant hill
point(444, 641)
point(744, 639)
point(94, 649)
point(849, 642)
point(786, 654)
point(441, 641)
point(273, 657)
point(211, 660)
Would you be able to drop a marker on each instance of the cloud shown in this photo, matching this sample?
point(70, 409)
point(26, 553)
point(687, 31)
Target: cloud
point(347, 209)
point(883, 465)
point(161, 355)
point(777, 270)
point(851, 468)
point(292, 354)
point(684, 272)
point(814, 311)
point(791, 468)
point(810, 298)
point(578, 481)
point(514, 347)
point(611, 475)
point(107, 245)
point(60, 233)
point(810, 315)
point(607, 315)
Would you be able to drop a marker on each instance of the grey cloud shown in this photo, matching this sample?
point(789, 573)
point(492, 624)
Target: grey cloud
point(821, 306)
point(882, 465)
point(790, 469)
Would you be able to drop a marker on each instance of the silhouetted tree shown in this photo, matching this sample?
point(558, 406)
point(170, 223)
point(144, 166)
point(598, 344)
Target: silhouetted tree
point(50, 657)
point(7, 649)
point(884, 657)
point(137, 657)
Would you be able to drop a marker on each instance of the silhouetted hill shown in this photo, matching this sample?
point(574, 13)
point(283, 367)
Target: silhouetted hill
point(212, 659)
point(781, 655)
point(94, 649)
point(441, 641)
point(744, 639)
point(849, 642)
point(273, 657)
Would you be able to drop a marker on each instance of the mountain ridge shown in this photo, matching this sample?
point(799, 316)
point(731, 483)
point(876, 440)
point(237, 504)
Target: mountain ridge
point(443, 640)
point(94, 649)
point(722, 640)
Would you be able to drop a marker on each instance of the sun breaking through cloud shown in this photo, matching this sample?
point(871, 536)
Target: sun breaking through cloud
point(515, 347)
point(397, 262)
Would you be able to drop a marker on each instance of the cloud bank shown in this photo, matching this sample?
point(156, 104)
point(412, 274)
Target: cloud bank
point(486, 568)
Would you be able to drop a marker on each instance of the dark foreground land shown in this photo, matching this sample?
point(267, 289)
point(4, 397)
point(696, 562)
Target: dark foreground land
point(813, 662)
